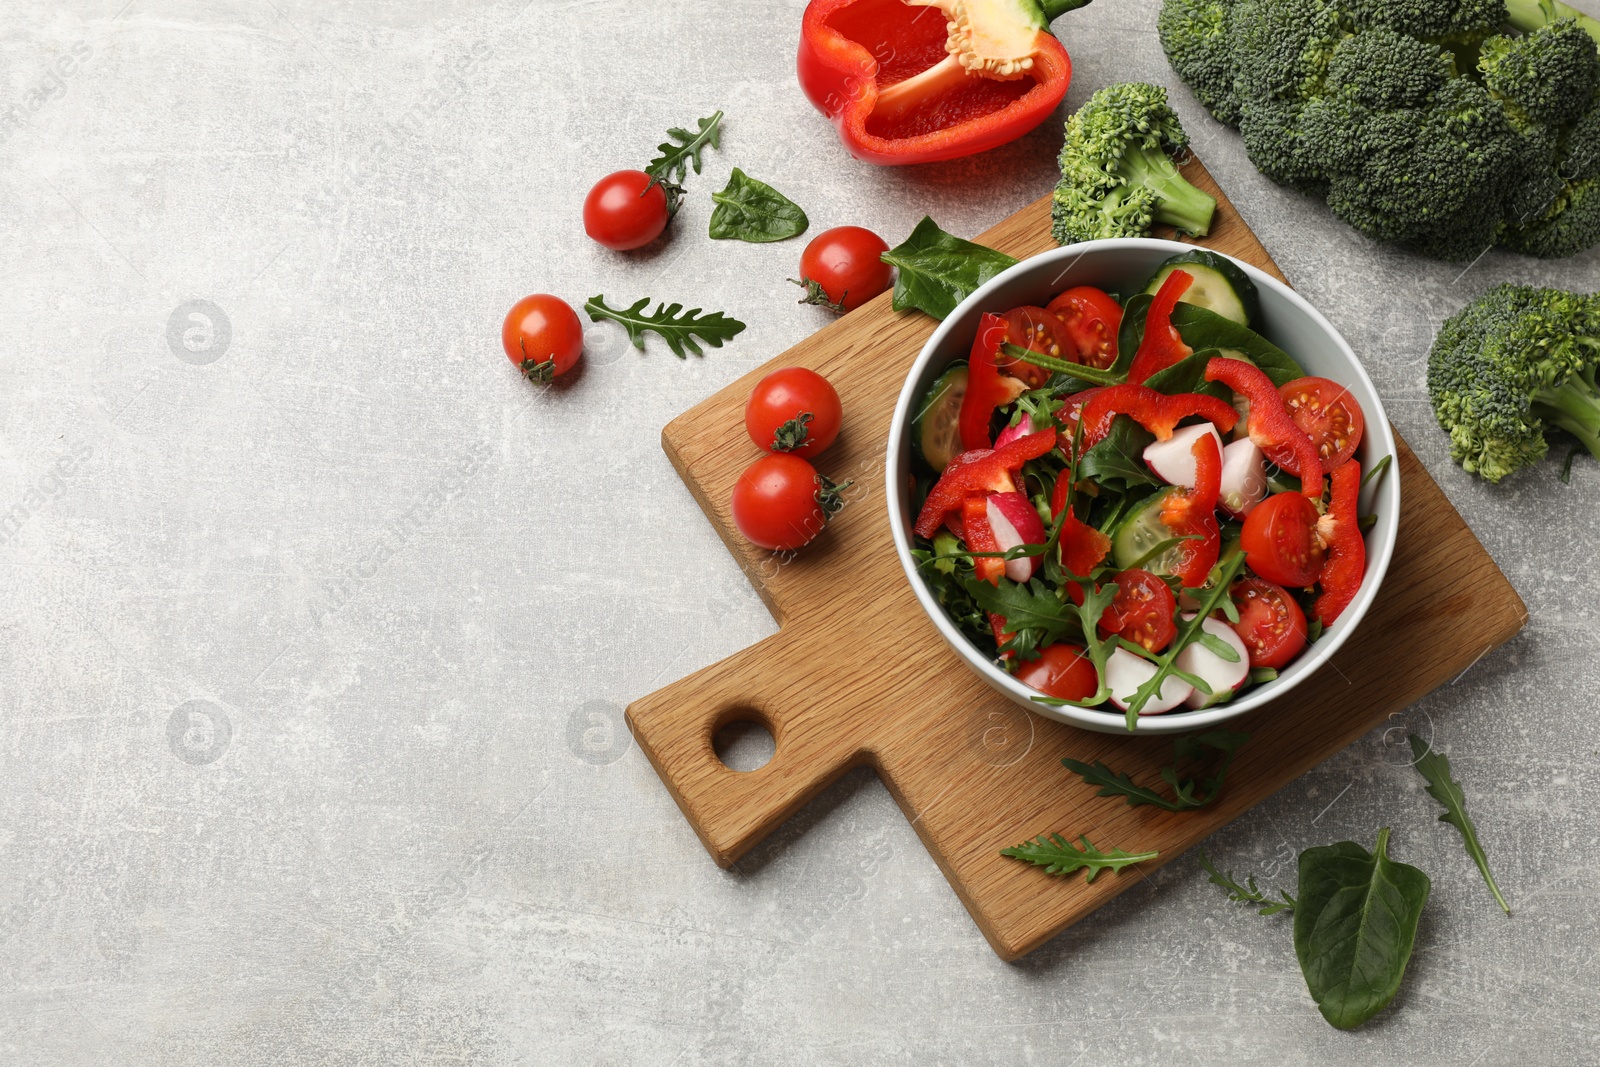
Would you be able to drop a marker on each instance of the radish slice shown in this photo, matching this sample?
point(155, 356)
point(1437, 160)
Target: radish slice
point(1173, 459)
point(1125, 673)
point(1015, 522)
point(1244, 478)
point(1223, 677)
point(1013, 433)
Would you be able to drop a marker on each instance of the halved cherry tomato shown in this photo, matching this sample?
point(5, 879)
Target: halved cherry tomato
point(1091, 319)
point(1280, 540)
point(1061, 671)
point(1141, 611)
point(781, 398)
point(1039, 331)
point(1328, 414)
point(1271, 624)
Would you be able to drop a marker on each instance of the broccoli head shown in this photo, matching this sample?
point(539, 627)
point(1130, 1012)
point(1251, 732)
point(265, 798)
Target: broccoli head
point(1421, 122)
point(1515, 362)
point(1117, 178)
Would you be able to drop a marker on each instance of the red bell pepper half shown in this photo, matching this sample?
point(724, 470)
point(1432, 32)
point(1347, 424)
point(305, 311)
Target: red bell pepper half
point(1162, 346)
point(1340, 530)
point(979, 471)
point(1271, 426)
point(986, 388)
point(1082, 546)
point(1155, 411)
point(917, 81)
point(1192, 513)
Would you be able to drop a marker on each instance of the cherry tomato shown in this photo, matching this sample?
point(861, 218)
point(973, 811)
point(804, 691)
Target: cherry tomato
point(1039, 331)
point(625, 211)
point(1091, 320)
point(782, 397)
point(775, 502)
point(1061, 671)
point(1271, 624)
point(1280, 540)
point(844, 263)
point(1141, 611)
point(1328, 414)
point(542, 336)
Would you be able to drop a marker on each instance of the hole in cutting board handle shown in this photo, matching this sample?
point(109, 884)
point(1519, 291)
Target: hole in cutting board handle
point(744, 742)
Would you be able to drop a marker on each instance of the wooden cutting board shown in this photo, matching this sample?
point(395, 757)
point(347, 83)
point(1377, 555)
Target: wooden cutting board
point(858, 675)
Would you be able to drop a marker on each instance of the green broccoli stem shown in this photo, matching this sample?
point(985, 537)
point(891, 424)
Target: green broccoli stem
point(1529, 15)
point(1182, 206)
point(1054, 9)
point(1575, 408)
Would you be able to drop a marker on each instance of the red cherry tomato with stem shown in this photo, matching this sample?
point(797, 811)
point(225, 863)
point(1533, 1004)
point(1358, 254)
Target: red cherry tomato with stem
point(1328, 414)
point(542, 336)
point(1280, 540)
point(778, 502)
point(625, 210)
point(793, 402)
point(1271, 624)
point(1061, 671)
point(1091, 320)
point(841, 268)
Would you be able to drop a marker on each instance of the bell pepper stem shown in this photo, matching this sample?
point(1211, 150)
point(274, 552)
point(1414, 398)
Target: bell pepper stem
point(903, 96)
point(1054, 9)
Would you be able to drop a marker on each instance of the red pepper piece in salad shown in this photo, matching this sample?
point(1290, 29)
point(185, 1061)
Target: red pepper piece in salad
point(1155, 411)
point(1192, 514)
point(1271, 426)
point(1340, 530)
point(979, 471)
point(905, 84)
point(1082, 546)
point(980, 538)
point(1162, 345)
point(987, 388)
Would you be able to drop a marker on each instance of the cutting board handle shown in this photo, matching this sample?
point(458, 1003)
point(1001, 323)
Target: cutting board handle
point(775, 683)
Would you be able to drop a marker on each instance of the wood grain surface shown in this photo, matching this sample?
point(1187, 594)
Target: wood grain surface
point(857, 674)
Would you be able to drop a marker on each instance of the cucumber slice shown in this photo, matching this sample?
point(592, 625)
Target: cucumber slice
point(936, 431)
point(1219, 286)
point(1140, 531)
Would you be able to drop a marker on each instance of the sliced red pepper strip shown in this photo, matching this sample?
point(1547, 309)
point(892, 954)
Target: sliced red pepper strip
point(1271, 426)
point(1082, 546)
point(1162, 345)
point(884, 72)
point(1155, 411)
point(980, 538)
point(1340, 530)
point(979, 471)
point(985, 389)
point(1192, 513)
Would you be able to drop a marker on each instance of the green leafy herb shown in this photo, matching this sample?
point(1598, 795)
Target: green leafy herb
point(1191, 792)
point(1377, 470)
point(1131, 333)
point(1314, 630)
point(1435, 770)
point(1259, 675)
point(682, 149)
point(1355, 924)
point(1058, 856)
point(1249, 893)
point(751, 210)
point(1188, 375)
point(1033, 612)
point(678, 330)
point(1117, 461)
point(1188, 633)
point(936, 270)
point(1091, 375)
point(1201, 328)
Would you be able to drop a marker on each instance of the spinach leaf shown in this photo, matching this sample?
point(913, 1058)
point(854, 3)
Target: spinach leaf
point(1435, 769)
point(1117, 461)
point(936, 270)
point(1202, 329)
point(1355, 923)
point(751, 210)
point(1131, 334)
point(1188, 375)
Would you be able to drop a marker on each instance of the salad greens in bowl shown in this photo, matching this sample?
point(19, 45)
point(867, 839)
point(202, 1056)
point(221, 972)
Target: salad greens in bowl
point(1141, 486)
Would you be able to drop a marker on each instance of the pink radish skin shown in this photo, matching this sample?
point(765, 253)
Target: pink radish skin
point(1244, 478)
point(1013, 433)
point(1125, 673)
point(1173, 459)
point(1015, 522)
point(1223, 677)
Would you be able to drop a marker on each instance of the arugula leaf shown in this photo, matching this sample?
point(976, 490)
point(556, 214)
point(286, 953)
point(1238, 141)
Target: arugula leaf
point(937, 270)
point(1117, 460)
point(1033, 607)
point(1435, 770)
point(673, 162)
point(1239, 894)
point(1377, 470)
point(1190, 792)
point(1058, 856)
point(751, 210)
point(678, 330)
point(1065, 368)
point(1188, 633)
point(1355, 925)
point(1201, 328)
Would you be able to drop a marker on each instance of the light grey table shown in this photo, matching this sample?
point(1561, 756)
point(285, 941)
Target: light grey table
point(318, 620)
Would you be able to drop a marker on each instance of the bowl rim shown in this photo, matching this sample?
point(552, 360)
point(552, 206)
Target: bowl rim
point(1378, 431)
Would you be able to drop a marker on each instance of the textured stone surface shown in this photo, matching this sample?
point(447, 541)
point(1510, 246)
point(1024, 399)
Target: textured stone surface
point(317, 626)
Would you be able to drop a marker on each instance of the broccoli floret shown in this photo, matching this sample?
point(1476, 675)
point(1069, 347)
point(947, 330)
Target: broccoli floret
point(1195, 36)
point(1117, 178)
point(1570, 225)
point(1547, 76)
point(1513, 363)
point(1283, 47)
point(1438, 19)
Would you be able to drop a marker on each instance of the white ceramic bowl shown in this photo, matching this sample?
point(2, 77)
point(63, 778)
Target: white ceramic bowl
point(1123, 266)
